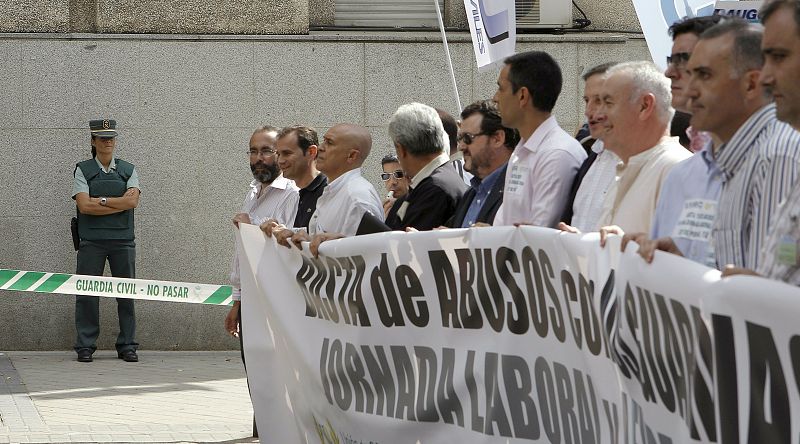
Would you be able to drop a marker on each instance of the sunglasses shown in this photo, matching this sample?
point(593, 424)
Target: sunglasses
point(398, 174)
point(678, 59)
point(468, 138)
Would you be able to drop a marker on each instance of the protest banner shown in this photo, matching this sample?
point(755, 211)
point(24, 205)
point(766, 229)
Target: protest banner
point(492, 334)
point(493, 27)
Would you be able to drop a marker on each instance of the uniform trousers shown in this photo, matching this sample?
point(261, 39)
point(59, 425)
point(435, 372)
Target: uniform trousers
point(92, 256)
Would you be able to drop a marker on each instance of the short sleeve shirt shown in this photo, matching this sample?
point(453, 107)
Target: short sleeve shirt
point(80, 185)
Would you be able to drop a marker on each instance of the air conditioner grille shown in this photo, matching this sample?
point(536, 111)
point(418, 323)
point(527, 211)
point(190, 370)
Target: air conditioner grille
point(528, 12)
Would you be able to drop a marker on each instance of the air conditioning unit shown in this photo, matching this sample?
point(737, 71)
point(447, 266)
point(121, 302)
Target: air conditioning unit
point(548, 14)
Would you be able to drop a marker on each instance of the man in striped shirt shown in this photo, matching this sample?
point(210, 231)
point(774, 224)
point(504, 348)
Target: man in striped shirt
point(726, 100)
point(780, 254)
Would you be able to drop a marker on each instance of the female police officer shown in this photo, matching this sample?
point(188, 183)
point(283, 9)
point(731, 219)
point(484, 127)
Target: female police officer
point(106, 190)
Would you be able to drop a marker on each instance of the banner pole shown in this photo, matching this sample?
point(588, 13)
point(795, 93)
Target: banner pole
point(447, 53)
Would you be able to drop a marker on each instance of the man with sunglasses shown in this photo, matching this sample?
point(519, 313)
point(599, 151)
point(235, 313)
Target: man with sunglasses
point(106, 191)
point(395, 181)
point(487, 145)
point(685, 34)
point(422, 149)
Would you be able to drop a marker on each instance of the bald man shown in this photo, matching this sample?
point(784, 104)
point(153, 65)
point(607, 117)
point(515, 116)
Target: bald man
point(347, 197)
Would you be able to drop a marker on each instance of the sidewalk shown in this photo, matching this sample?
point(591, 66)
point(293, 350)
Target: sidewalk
point(165, 397)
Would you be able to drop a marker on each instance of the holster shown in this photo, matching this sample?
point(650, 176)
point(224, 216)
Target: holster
point(76, 239)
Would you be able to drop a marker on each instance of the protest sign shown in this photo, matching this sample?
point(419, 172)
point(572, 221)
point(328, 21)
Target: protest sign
point(491, 334)
point(493, 27)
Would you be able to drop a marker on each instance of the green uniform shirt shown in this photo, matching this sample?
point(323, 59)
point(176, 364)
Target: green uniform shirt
point(81, 186)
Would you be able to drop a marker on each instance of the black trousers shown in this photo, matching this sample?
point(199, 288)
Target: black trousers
point(92, 256)
point(241, 347)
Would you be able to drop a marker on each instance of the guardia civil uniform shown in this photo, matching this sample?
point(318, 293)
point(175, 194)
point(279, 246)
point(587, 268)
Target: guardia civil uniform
point(109, 237)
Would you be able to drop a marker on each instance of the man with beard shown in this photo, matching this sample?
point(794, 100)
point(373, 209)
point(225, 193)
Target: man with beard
point(487, 145)
point(271, 196)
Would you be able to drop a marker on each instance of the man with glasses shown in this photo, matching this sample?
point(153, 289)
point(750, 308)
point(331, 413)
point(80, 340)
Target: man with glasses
point(685, 34)
point(395, 181)
point(271, 196)
point(422, 149)
point(487, 145)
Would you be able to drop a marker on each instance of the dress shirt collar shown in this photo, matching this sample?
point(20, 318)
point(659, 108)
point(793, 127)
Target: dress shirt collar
point(280, 183)
point(598, 146)
point(341, 181)
point(707, 154)
point(111, 166)
point(731, 155)
point(458, 155)
point(536, 139)
point(426, 171)
point(644, 156)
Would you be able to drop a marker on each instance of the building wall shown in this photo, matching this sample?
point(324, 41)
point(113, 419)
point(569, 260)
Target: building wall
point(185, 108)
point(232, 16)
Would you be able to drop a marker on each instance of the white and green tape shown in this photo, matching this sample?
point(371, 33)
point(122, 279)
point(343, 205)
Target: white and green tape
point(113, 287)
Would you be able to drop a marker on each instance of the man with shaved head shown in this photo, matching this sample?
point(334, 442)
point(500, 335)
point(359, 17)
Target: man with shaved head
point(348, 195)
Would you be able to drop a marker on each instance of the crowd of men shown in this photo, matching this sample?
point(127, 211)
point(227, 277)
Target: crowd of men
point(720, 192)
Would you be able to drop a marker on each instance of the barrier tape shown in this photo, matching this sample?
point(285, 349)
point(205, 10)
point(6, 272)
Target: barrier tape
point(113, 287)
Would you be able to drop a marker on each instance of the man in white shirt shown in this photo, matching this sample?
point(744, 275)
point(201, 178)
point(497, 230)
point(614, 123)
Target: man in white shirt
point(271, 196)
point(544, 163)
point(348, 196)
point(595, 176)
point(636, 112)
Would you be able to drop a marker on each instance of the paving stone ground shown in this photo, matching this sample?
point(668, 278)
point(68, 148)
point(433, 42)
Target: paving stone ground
point(166, 397)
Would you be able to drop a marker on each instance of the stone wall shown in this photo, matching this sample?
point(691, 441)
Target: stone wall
point(185, 107)
point(231, 16)
point(156, 16)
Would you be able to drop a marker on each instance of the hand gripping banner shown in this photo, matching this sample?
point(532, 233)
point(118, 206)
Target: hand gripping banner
point(112, 287)
point(496, 335)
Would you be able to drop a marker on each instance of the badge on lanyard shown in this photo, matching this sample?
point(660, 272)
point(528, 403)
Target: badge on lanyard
point(787, 251)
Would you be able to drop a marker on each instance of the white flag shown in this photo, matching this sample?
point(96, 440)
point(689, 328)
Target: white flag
point(656, 16)
point(493, 26)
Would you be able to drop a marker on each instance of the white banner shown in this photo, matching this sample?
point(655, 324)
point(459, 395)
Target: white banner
point(523, 334)
point(493, 26)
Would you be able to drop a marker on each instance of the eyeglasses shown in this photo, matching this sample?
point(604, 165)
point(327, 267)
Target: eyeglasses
point(468, 138)
point(678, 59)
point(398, 174)
point(265, 152)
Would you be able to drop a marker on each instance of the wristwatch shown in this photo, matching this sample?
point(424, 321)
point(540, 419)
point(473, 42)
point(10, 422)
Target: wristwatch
point(103, 201)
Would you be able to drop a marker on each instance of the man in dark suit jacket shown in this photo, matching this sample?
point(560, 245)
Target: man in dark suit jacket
point(487, 145)
point(422, 149)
